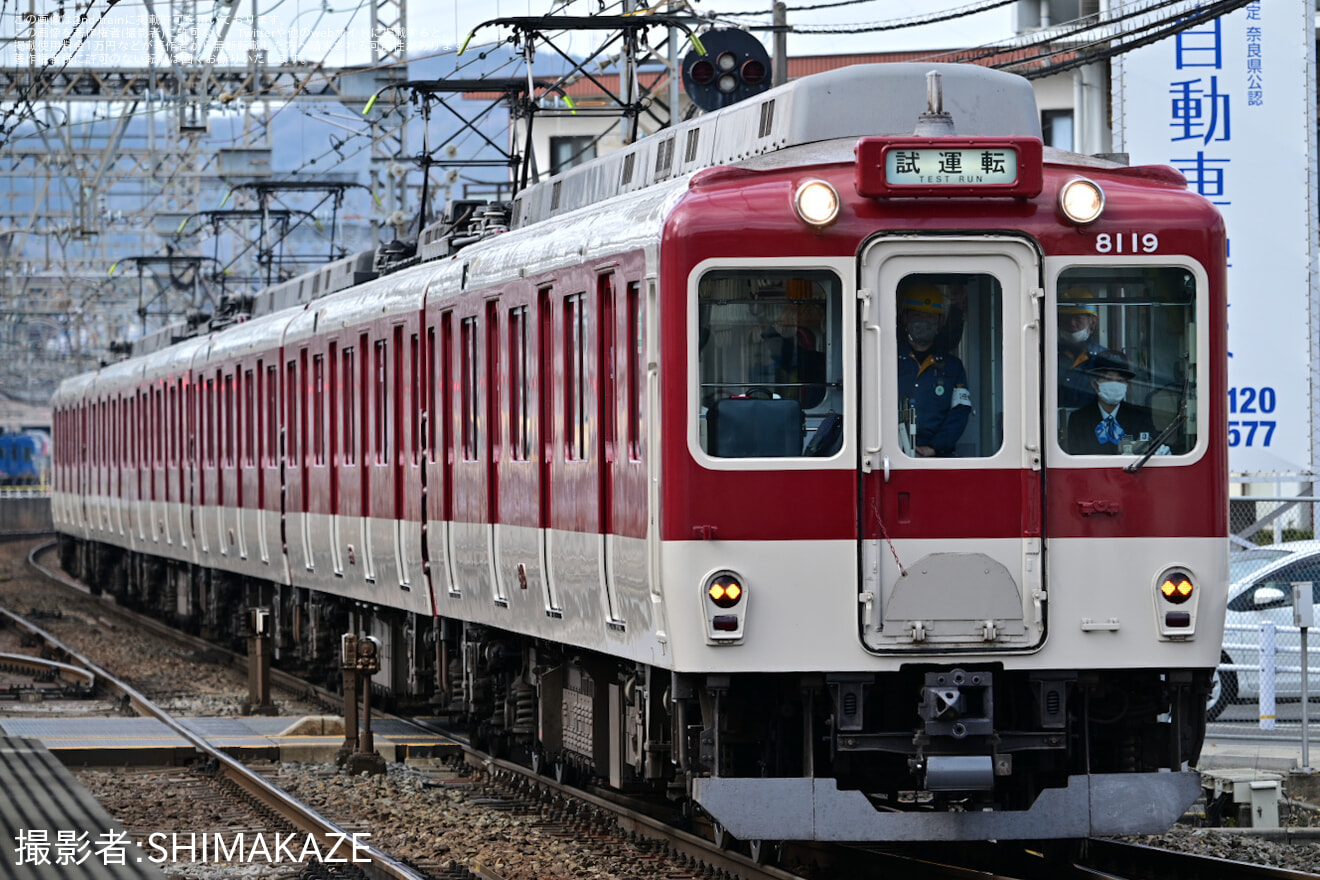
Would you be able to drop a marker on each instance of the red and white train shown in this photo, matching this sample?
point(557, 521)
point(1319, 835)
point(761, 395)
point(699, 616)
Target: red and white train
point(622, 472)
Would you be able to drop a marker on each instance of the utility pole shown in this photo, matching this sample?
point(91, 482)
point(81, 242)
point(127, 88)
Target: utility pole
point(779, 75)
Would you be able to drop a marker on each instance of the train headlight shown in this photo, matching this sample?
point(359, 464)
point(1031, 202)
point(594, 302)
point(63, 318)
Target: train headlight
point(724, 606)
point(817, 203)
point(1081, 200)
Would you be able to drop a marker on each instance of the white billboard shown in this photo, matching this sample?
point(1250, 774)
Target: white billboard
point(1231, 104)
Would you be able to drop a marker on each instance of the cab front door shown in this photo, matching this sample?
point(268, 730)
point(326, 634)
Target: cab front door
point(951, 540)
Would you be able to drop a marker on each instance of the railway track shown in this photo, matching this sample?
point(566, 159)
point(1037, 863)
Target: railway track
point(321, 835)
point(638, 839)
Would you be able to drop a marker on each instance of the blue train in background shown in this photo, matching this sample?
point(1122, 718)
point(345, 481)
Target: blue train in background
point(24, 458)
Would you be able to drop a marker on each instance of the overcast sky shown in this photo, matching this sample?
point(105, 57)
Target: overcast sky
point(337, 32)
point(456, 18)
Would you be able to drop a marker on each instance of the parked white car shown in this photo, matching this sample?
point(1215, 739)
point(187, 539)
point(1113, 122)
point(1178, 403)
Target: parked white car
point(1261, 591)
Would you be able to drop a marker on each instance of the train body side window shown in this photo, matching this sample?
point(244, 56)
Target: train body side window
point(770, 363)
point(575, 390)
point(348, 389)
point(519, 443)
point(470, 409)
point(291, 396)
point(272, 415)
point(249, 418)
point(1126, 366)
point(381, 404)
point(318, 409)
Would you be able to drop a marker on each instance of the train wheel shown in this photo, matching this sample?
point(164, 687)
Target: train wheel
point(720, 835)
point(1223, 689)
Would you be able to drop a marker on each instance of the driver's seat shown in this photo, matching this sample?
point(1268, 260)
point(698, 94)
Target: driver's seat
point(749, 427)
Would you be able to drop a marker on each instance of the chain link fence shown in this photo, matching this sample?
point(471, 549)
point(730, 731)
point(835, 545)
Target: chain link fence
point(1274, 558)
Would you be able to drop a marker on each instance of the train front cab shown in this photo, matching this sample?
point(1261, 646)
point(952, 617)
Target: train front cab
point(1009, 645)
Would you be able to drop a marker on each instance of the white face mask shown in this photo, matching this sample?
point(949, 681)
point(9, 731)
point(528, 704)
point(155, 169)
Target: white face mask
point(1111, 392)
point(922, 330)
point(1076, 337)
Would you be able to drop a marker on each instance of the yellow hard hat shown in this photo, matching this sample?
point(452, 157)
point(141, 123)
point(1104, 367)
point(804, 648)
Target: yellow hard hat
point(1070, 302)
point(922, 297)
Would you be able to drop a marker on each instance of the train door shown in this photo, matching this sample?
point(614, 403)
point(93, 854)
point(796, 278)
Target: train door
point(174, 464)
point(117, 464)
point(445, 436)
point(207, 479)
point(295, 445)
point(230, 479)
point(246, 518)
point(188, 472)
point(494, 388)
point(377, 492)
point(400, 455)
point(951, 432)
point(545, 429)
point(347, 493)
point(607, 416)
point(317, 487)
point(266, 480)
point(159, 474)
point(338, 381)
point(470, 528)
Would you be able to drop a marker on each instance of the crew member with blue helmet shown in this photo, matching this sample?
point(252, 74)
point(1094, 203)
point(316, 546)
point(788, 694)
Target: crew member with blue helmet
point(1078, 321)
point(930, 381)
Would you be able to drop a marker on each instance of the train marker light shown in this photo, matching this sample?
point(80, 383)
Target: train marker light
point(724, 604)
point(724, 590)
point(1177, 587)
point(817, 203)
point(1081, 200)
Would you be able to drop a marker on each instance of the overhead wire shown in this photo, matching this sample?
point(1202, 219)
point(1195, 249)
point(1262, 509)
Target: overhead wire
point(895, 24)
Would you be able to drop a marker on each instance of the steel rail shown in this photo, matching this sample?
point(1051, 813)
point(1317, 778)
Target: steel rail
point(36, 665)
point(331, 837)
point(286, 681)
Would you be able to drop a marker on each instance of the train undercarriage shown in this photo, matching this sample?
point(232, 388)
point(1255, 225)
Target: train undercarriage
point(931, 738)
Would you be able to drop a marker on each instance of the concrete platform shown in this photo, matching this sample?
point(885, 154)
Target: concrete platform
point(148, 742)
point(53, 828)
point(1265, 758)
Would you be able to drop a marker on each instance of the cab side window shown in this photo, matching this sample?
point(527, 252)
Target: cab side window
point(1125, 362)
point(770, 365)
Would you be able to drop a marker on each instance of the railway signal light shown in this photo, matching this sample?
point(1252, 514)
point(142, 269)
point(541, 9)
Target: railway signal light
point(734, 67)
point(368, 655)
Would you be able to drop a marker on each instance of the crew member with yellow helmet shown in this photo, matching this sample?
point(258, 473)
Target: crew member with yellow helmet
point(1078, 320)
point(931, 381)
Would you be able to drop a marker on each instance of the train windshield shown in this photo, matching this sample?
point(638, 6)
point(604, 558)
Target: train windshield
point(771, 363)
point(1126, 360)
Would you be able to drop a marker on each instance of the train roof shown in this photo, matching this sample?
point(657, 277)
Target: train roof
point(850, 102)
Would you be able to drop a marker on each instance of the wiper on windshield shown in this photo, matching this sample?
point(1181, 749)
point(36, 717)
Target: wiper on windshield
point(1156, 444)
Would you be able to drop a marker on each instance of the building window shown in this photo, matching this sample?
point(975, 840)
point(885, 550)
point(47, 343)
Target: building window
point(1056, 128)
point(565, 152)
